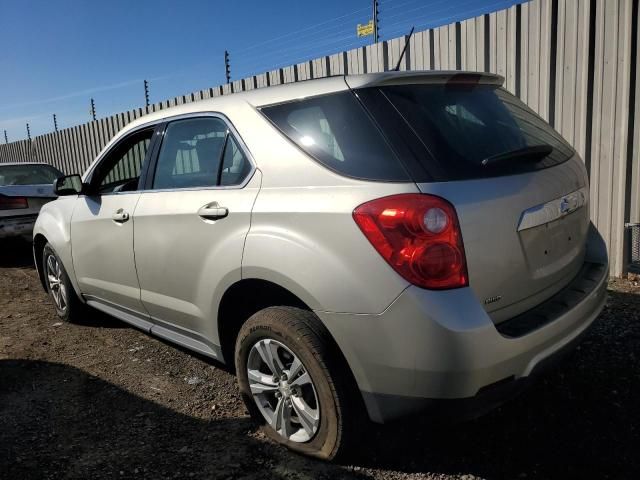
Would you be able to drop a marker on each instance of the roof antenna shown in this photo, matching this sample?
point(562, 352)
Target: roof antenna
point(404, 50)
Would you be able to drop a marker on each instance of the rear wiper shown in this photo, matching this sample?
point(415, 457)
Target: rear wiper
point(534, 153)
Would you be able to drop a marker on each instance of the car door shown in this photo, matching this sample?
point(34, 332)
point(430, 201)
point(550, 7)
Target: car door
point(102, 228)
point(189, 227)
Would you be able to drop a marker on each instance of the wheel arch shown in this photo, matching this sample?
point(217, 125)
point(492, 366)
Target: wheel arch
point(244, 298)
point(53, 227)
point(39, 241)
point(250, 295)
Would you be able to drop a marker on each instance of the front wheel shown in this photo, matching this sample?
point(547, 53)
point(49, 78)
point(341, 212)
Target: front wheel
point(293, 384)
point(68, 305)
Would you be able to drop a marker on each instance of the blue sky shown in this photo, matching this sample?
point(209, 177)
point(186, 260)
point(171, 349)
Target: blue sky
point(56, 55)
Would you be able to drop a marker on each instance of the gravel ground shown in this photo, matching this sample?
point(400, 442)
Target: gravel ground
point(102, 400)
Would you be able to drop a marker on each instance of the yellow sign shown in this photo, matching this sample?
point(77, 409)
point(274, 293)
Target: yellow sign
point(366, 29)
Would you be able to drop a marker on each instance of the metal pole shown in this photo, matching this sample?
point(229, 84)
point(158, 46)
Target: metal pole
point(227, 66)
point(146, 93)
point(55, 122)
point(6, 140)
point(28, 132)
point(375, 21)
point(93, 109)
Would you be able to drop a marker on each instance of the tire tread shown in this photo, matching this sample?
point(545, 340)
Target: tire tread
point(307, 328)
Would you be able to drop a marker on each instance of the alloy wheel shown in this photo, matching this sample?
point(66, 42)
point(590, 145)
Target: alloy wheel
point(55, 282)
point(283, 390)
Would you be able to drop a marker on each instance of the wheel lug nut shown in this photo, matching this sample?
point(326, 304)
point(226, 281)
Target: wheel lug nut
point(278, 394)
point(283, 377)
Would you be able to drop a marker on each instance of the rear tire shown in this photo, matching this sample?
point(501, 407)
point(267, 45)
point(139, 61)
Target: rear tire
point(322, 414)
point(67, 304)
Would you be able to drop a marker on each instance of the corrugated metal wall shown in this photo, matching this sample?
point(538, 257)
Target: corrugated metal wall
point(572, 61)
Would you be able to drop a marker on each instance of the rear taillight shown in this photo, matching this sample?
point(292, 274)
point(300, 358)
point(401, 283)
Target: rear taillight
point(419, 236)
point(11, 203)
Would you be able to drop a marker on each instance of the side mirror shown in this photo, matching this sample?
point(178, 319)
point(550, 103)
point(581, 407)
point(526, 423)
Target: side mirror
point(68, 185)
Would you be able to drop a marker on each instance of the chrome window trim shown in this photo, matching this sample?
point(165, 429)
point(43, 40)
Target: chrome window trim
point(240, 186)
point(184, 116)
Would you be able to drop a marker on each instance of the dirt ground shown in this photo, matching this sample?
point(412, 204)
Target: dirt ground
point(102, 400)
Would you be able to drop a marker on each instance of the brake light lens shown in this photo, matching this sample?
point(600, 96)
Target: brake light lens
point(419, 236)
point(12, 203)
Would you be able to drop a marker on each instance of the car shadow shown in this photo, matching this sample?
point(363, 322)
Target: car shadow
point(96, 318)
point(16, 253)
point(581, 419)
point(59, 422)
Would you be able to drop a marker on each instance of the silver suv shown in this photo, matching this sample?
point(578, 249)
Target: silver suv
point(359, 247)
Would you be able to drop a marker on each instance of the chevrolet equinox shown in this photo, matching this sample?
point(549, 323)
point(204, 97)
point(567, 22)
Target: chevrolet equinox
point(357, 247)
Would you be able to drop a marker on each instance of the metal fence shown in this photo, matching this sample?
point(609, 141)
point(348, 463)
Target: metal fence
point(633, 234)
point(572, 61)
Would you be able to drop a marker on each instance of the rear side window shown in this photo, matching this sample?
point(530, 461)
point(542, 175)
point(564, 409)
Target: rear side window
point(337, 131)
point(458, 127)
point(199, 152)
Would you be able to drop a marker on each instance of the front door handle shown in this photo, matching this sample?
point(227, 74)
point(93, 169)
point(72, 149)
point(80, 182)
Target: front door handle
point(120, 216)
point(213, 211)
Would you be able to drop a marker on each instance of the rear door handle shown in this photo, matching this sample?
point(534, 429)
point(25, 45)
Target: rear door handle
point(120, 216)
point(213, 211)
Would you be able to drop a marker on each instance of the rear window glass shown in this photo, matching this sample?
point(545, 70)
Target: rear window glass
point(28, 174)
point(337, 131)
point(460, 126)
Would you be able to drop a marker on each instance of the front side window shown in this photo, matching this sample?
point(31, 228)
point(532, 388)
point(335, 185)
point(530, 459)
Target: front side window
point(199, 152)
point(120, 170)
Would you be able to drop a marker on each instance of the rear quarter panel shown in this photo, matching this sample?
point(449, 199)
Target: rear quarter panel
point(303, 236)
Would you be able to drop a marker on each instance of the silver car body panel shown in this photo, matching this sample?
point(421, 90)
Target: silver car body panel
point(54, 224)
point(443, 345)
point(521, 267)
point(103, 249)
point(166, 269)
point(200, 259)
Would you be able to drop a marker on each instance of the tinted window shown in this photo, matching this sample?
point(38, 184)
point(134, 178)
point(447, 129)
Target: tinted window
point(199, 152)
point(28, 174)
point(336, 131)
point(459, 126)
point(120, 170)
point(235, 165)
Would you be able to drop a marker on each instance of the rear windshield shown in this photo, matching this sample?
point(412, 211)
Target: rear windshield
point(457, 127)
point(28, 174)
point(337, 131)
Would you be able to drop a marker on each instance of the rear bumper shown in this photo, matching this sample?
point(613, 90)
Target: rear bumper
point(432, 346)
point(17, 226)
point(383, 408)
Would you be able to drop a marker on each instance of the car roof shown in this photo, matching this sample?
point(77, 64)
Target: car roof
point(4, 164)
point(261, 97)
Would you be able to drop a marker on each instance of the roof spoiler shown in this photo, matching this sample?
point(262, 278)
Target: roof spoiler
point(423, 77)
